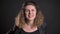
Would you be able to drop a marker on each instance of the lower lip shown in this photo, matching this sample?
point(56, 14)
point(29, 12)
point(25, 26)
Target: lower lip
point(30, 16)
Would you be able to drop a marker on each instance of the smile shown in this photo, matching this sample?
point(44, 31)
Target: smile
point(30, 16)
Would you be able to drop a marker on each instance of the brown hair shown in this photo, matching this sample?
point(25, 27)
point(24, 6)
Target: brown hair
point(20, 19)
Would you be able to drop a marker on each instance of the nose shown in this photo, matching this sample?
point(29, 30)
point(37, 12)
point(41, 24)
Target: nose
point(30, 11)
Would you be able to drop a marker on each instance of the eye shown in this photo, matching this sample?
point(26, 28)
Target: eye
point(32, 9)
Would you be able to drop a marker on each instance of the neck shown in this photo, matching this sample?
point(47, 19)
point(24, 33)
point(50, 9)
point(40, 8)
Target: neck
point(30, 22)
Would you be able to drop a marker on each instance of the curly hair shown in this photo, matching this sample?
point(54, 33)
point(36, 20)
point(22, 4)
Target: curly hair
point(20, 19)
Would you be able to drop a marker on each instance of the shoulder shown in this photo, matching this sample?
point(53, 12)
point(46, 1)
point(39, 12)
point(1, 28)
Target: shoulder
point(43, 28)
point(44, 25)
point(13, 30)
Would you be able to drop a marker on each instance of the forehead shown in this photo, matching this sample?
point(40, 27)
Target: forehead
point(30, 7)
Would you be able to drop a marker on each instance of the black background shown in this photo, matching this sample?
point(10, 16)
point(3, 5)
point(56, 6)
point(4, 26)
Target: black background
point(10, 9)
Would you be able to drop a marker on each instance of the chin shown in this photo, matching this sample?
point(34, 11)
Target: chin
point(31, 18)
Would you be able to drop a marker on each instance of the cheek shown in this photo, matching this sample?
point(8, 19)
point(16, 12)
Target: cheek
point(26, 14)
point(34, 13)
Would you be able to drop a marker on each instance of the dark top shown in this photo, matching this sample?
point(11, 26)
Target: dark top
point(16, 30)
point(35, 32)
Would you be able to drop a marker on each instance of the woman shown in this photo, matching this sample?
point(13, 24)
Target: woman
point(30, 20)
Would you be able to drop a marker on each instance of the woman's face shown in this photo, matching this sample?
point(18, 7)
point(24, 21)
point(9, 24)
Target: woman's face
point(30, 12)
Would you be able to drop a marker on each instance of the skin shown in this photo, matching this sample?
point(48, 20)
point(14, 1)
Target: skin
point(30, 14)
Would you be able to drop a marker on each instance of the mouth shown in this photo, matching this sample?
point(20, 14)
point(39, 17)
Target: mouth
point(30, 16)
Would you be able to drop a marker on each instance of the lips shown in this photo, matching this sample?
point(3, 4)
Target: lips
point(30, 16)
